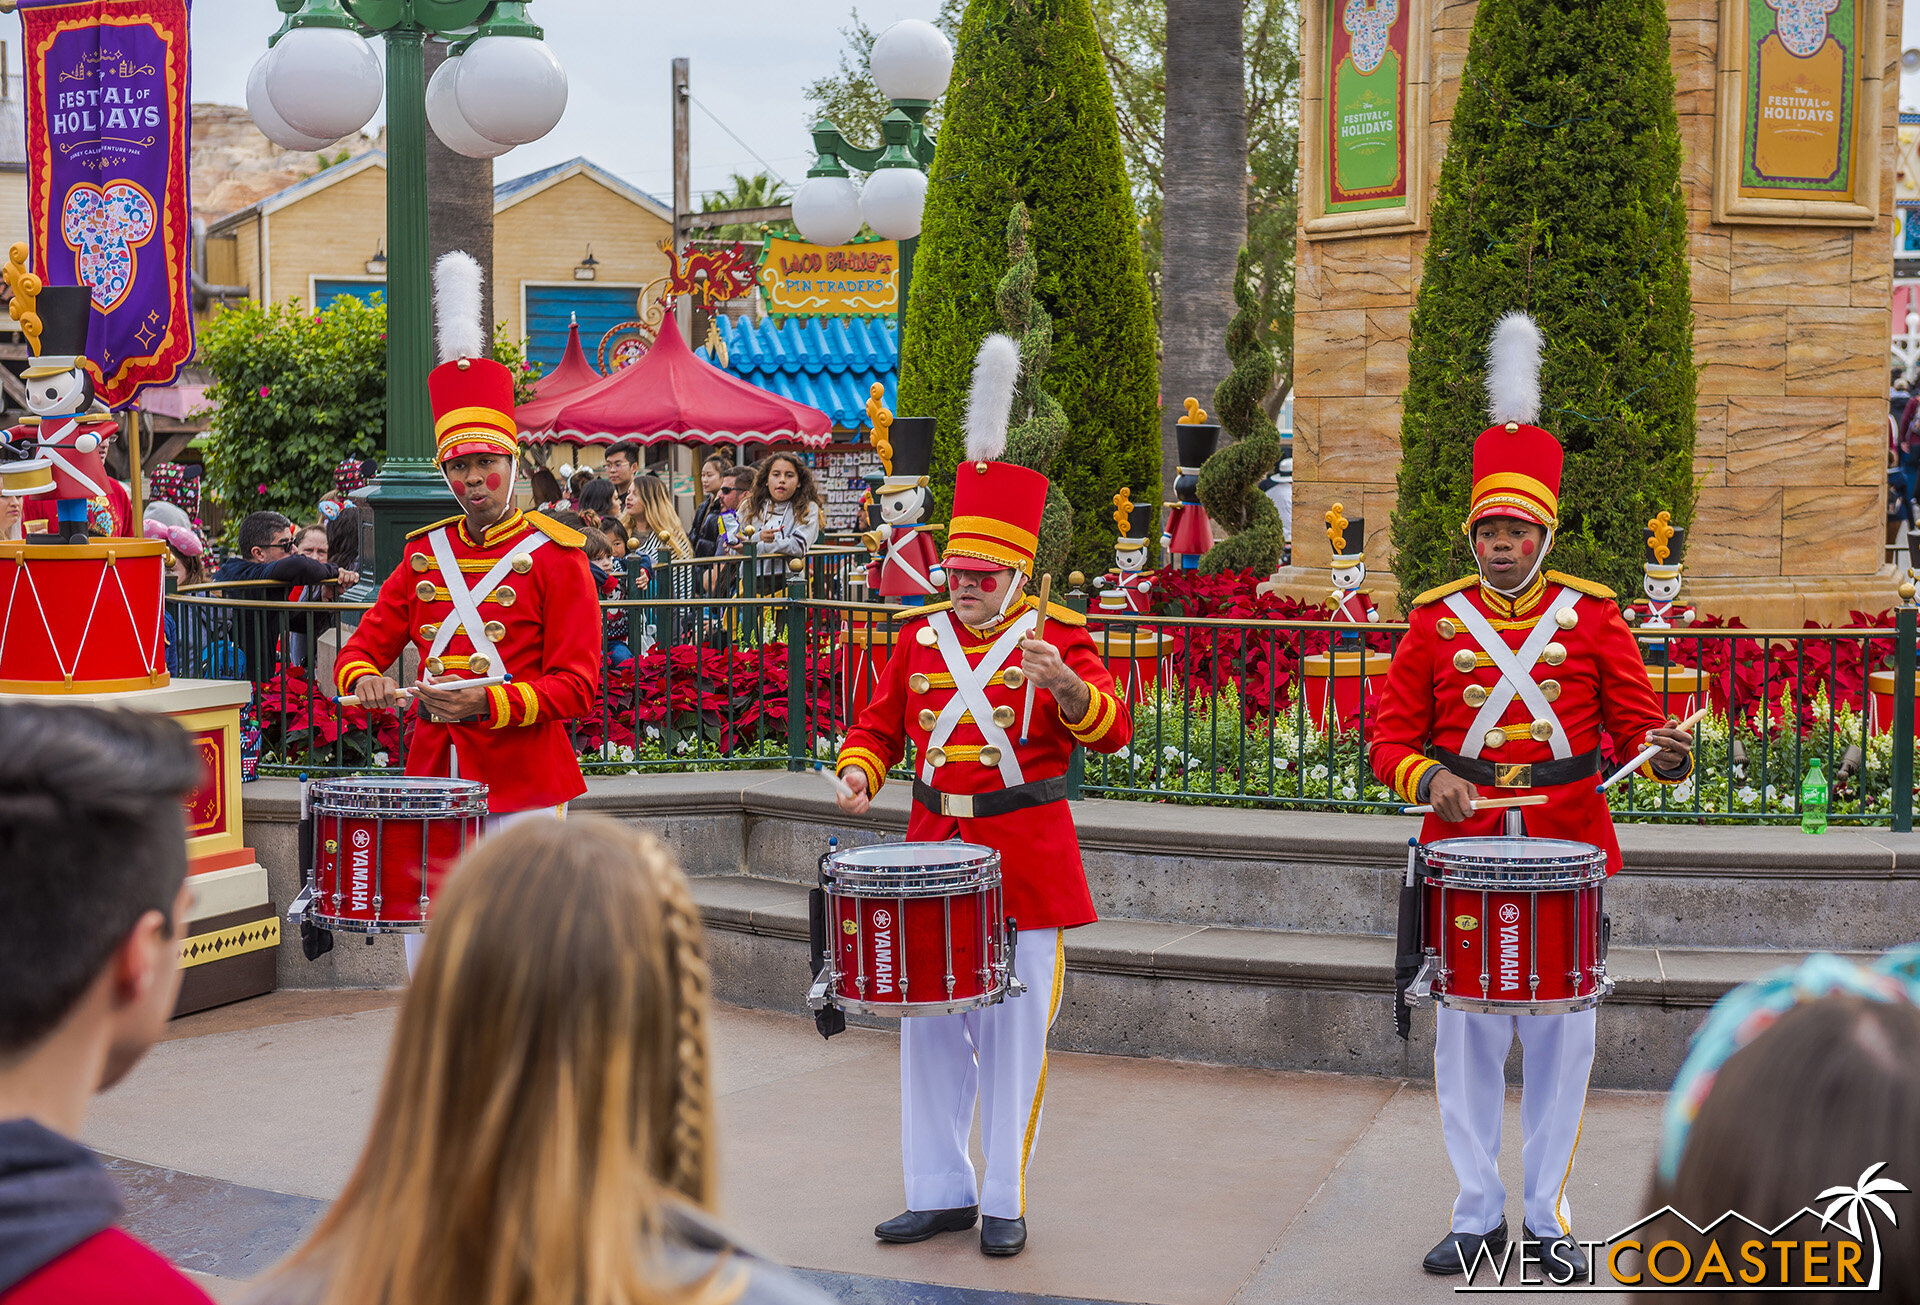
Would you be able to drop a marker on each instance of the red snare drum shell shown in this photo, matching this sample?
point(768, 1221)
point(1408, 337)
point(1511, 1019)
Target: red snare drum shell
point(894, 951)
point(1512, 948)
point(82, 618)
point(370, 871)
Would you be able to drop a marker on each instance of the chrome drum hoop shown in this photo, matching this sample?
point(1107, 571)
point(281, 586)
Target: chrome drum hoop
point(1475, 1006)
point(1512, 864)
point(347, 924)
point(406, 797)
point(910, 870)
point(894, 1009)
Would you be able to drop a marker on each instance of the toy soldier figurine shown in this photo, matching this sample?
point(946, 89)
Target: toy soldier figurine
point(1666, 549)
point(908, 565)
point(1502, 687)
point(1348, 536)
point(68, 429)
point(1127, 588)
point(993, 713)
point(1189, 534)
point(491, 594)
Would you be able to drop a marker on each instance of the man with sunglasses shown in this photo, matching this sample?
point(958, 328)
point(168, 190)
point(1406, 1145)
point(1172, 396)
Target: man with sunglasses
point(990, 768)
point(266, 552)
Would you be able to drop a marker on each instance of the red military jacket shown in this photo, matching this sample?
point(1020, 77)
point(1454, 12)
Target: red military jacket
point(1042, 878)
point(1589, 674)
point(535, 599)
point(1354, 605)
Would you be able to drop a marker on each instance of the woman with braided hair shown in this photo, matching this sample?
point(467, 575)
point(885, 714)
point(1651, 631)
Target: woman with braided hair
point(545, 1127)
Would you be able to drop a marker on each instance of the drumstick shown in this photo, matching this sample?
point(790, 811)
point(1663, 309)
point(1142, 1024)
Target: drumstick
point(353, 700)
point(1484, 804)
point(840, 786)
point(1039, 632)
point(1646, 755)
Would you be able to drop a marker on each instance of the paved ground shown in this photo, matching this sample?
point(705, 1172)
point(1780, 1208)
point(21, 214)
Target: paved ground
point(1152, 1182)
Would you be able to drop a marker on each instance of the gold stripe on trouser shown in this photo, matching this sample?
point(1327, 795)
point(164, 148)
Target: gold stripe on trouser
point(1040, 1088)
point(1560, 1197)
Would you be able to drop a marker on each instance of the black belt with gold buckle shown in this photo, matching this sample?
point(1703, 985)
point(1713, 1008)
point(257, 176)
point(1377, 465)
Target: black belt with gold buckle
point(1526, 774)
point(977, 806)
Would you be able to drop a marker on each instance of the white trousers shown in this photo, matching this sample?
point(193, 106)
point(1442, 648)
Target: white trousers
point(997, 1054)
point(495, 822)
point(1469, 1059)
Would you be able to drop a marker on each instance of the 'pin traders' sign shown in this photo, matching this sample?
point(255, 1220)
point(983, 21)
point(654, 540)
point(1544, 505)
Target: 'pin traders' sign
point(860, 280)
point(106, 84)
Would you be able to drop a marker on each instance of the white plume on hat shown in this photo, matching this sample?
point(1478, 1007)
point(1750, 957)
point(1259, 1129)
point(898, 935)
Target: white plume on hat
point(456, 307)
point(1513, 371)
point(996, 370)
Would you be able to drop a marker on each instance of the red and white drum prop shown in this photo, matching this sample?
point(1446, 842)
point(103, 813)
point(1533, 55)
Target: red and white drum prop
point(1338, 683)
point(1138, 658)
point(80, 618)
point(913, 929)
point(381, 845)
point(1513, 925)
point(865, 647)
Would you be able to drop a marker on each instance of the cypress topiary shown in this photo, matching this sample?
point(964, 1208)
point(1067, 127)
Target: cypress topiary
point(1560, 195)
point(1030, 119)
point(1229, 486)
point(1038, 427)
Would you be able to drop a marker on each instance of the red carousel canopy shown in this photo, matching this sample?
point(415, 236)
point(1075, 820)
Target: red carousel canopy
point(552, 391)
point(668, 394)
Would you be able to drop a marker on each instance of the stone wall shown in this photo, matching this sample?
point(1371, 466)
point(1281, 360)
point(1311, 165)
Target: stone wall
point(1790, 335)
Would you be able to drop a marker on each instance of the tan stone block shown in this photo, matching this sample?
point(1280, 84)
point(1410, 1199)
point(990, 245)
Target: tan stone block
point(1696, 158)
point(1867, 436)
point(1709, 471)
point(1830, 531)
point(1791, 265)
point(1710, 252)
point(1374, 272)
point(1696, 11)
point(1387, 350)
point(1777, 440)
point(1449, 68)
point(1306, 440)
point(1307, 276)
point(1379, 514)
point(1741, 349)
point(1735, 532)
point(1454, 17)
point(1330, 352)
point(1872, 268)
point(1310, 504)
point(1360, 439)
point(1693, 42)
point(1836, 350)
point(1710, 428)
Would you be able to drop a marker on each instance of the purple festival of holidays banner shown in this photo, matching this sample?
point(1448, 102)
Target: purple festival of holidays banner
point(107, 128)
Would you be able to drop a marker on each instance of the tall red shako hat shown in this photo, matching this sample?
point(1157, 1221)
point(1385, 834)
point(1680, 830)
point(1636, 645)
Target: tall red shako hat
point(1516, 465)
point(996, 505)
point(472, 395)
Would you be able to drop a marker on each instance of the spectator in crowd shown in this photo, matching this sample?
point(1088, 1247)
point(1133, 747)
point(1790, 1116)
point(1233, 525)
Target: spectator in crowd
point(622, 461)
point(265, 551)
point(661, 545)
point(784, 511)
point(93, 838)
point(555, 1041)
point(722, 580)
point(706, 517)
point(1801, 1081)
point(581, 479)
point(10, 516)
point(545, 488)
point(599, 501)
point(343, 536)
point(311, 541)
point(187, 627)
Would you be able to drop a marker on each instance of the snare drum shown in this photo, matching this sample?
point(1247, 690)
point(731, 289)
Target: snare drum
point(915, 929)
point(1513, 925)
point(381, 845)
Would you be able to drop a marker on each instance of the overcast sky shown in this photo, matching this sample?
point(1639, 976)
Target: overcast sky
point(751, 63)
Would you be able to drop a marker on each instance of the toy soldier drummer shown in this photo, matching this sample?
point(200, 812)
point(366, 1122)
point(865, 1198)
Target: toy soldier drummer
point(992, 709)
point(1665, 558)
point(1128, 587)
point(1502, 687)
point(1189, 532)
point(908, 565)
point(1348, 538)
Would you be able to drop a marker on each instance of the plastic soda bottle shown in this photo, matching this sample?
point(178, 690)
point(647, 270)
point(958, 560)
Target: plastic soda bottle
point(1813, 801)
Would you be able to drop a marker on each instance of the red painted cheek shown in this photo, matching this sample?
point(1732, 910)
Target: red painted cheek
point(493, 480)
point(1480, 547)
point(988, 584)
point(1526, 548)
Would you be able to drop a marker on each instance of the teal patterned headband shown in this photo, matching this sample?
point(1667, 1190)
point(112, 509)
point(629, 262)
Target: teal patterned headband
point(1750, 1009)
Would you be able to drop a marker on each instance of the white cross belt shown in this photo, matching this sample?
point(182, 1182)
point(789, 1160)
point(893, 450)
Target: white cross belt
point(1516, 671)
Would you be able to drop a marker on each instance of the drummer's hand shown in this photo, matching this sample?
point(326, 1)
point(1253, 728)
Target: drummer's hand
point(1043, 665)
point(1452, 797)
point(1676, 745)
point(448, 704)
point(856, 802)
point(377, 693)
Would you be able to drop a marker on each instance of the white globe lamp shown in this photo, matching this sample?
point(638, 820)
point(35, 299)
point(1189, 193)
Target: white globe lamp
point(893, 201)
point(264, 116)
point(827, 210)
point(511, 89)
point(443, 115)
point(324, 82)
point(912, 60)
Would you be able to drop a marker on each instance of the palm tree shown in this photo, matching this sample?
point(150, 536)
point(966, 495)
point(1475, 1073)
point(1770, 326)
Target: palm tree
point(459, 202)
point(758, 191)
point(1204, 219)
point(1856, 1200)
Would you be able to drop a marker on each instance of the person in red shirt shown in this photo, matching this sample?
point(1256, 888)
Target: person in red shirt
point(491, 592)
point(956, 690)
point(1502, 687)
point(93, 838)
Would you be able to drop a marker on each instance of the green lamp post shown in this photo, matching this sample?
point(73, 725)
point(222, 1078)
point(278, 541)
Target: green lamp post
point(320, 80)
point(911, 63)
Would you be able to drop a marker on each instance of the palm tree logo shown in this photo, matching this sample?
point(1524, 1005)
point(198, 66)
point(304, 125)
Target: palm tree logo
point(1855, 1201)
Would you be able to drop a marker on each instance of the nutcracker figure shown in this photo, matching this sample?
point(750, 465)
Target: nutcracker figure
point(1279, 488)
point(1666, 547)
point(906, 565)
point(68, 428)
point(1189, 534)
point(1348, 535)
point(1127, 588)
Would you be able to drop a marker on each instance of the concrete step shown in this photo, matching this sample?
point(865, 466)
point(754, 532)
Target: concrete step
point(1274, 999)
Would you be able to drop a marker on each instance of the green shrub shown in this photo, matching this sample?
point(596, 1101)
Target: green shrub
point(1229, 486)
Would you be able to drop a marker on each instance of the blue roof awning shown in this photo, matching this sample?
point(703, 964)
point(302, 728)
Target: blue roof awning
point(829, 363)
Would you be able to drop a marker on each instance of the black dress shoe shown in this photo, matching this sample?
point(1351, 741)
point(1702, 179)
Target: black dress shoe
point(1457, 1249)
point(1561, 1259)
point(918, 1225)
point(1002, 1236)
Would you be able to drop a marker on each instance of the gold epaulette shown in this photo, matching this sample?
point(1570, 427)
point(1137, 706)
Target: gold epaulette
point(1591, 588)
point(427, 530)
point(926, 609)
point(1446, 591)
point(563, 535)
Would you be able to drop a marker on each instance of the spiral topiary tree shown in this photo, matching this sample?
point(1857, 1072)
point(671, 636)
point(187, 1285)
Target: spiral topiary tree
point(1038, 426)
point(1230, 480)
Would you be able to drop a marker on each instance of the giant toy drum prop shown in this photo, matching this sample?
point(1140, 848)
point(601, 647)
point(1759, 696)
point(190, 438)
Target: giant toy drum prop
point(913, 929)
point(381, 845)
point(82, 618)
point(1513, 925)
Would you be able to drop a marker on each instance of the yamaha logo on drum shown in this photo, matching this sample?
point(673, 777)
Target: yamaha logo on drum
point(1509, 947)
point(1510, 914)
point(882, 950)
point(360, 872)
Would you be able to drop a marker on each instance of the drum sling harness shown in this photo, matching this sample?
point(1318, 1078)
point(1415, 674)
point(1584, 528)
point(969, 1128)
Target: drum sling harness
point(466, 602)
point(1516, 671)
